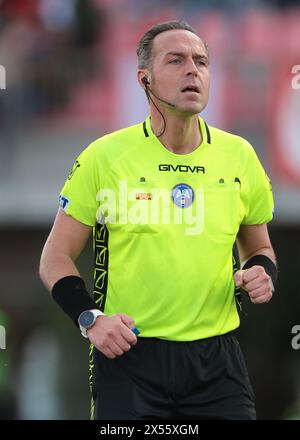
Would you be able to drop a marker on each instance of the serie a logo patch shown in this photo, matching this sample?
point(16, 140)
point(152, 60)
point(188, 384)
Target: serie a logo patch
point(143, 196)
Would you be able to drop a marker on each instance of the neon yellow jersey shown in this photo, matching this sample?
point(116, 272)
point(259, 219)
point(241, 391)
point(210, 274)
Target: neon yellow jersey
point(165, 224)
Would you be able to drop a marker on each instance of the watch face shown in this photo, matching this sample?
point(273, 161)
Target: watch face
point(86, 319)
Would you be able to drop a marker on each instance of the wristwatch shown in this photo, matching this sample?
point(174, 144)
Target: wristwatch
point(87, 319)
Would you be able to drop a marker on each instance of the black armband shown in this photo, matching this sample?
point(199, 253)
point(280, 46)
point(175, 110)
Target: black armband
point(266, 263)
point(71, 295)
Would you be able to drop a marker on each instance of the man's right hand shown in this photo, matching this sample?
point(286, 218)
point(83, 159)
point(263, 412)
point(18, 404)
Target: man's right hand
point(112, 335)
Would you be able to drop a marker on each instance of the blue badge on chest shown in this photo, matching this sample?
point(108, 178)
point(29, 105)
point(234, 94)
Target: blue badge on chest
point(183, 195)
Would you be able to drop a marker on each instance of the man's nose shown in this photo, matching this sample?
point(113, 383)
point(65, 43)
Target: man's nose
point(191, 67)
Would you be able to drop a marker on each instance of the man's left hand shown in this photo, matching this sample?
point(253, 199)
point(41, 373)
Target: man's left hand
point(256, 282)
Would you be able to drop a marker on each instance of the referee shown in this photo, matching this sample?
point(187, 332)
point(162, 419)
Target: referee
point(166, 200)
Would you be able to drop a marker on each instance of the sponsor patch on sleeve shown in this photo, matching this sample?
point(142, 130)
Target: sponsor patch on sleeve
point(63, 202)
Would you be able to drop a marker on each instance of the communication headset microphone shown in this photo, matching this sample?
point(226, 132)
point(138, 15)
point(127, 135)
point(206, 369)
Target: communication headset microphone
point(146, 83)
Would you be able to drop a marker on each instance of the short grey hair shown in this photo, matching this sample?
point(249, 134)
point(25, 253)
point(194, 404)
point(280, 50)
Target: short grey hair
point(144, 50)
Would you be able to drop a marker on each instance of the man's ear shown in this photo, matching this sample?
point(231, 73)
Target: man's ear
point(143, 77)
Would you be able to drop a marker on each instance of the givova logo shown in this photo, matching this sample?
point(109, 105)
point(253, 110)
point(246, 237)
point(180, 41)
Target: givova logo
point(2, 78)
point(2, 338)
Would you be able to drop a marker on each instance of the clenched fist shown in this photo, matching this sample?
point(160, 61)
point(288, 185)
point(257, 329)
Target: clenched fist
point(112, 335)
point(256, 282)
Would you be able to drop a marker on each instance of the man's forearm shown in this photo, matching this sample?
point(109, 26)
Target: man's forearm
point(267, 251)
point(55, 266)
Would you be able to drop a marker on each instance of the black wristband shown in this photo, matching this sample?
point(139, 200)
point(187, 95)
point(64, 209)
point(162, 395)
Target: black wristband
point(266, 263)
point(71, 295)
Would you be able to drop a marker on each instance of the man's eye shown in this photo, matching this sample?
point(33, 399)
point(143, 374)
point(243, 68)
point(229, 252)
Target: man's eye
point(175, 61)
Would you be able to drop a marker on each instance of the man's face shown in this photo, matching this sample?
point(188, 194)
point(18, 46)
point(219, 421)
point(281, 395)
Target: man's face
point(179, 72)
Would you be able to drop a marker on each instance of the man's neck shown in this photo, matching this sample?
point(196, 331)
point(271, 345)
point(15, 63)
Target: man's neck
point(181, 135)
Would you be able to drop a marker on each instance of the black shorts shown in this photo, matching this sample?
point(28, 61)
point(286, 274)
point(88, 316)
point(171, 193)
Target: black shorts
point(159, 379)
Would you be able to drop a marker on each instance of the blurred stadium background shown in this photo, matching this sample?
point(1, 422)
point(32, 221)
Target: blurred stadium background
point(70, 77)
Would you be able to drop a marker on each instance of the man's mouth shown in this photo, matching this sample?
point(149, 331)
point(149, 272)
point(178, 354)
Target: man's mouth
point(191, 88)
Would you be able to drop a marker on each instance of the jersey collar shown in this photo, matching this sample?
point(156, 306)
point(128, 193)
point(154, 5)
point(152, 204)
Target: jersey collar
point(205, 131)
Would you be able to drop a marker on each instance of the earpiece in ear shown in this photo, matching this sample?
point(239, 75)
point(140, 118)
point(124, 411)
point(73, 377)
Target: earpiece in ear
point(145, 81)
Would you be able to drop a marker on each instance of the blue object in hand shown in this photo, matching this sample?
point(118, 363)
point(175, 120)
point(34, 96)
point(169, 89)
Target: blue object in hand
point(135, 331)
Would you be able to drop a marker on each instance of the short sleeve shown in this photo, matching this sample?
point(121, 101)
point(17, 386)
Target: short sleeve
point(78, 195)
point(256, 191)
